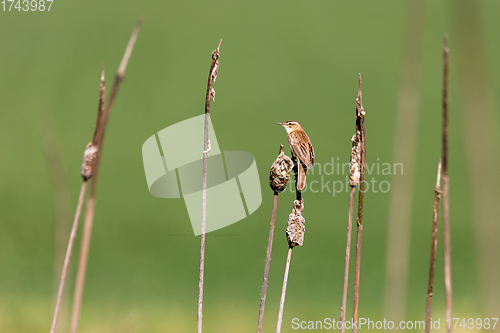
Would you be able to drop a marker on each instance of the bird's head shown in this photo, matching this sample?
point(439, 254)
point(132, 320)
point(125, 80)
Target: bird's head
point(291, 125)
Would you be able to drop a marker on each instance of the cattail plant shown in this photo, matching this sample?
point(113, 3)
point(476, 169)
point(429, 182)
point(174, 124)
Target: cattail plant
point(210, 95)
point(86, 171)
point(303, 158)
point(295, 231)
point(278, 178)
point(360, 127)
point(90, 167)
point(446, 188)
point(280, 172)
point(355, 166)
point(435, 217)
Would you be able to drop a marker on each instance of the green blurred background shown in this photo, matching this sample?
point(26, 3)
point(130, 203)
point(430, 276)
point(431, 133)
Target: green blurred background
point(279, 61)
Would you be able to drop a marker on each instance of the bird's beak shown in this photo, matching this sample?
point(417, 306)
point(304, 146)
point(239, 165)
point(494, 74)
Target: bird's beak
point(280, 124)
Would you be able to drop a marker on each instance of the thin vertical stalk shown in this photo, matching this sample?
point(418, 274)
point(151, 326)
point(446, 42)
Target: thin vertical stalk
point(295, 231)
point(87, 172)
point(435, 218)
point(268, 263)
point(203, 231)
point(210, 95)
point(90, 208)
point(283, 290)
point(87, 225)
point(446, 188)
point(360, 125)
point(347, 258)
point(67, 258)
point(82, 266)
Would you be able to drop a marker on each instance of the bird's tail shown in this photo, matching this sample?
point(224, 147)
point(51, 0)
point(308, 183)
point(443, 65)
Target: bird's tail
point(301, 178)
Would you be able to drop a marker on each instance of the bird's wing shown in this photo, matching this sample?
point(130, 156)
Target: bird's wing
point(299, 144)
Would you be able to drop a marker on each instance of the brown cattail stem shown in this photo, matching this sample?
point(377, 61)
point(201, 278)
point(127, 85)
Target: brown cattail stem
point(347, 258)
point(278, 178)
point(446, 202)
point(210, 95)
point(435, 218)
point(355, 170)
point(67, 258)
point(360, 127)
point(283, 290)
point(295, 231)
point(82, 264)
point(268, 263)
point(103, 117)
point(87, 172)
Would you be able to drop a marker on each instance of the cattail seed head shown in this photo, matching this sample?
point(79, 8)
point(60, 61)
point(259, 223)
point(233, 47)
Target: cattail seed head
point(89, 157)
point(280, 172)
point(355, 164)
point(296, 228)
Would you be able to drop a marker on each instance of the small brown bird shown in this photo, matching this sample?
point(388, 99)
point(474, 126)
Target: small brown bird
point(301, 149)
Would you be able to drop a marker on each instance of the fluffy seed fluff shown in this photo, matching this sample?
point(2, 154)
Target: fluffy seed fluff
point(280, 172)
point(89, 156)
point(296, 228)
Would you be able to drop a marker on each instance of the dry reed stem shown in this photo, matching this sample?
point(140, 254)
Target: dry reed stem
point(295, 232)
point(82, 266)
point(87, 225)
point(435, 218)
point(67, 258)
point(446, 189)
point(268, 263)
point(87, 172)
point(283, 290)
point(96, 140)
point(347, 258)
point(103, 117)
point(278, 179)
point(355, 168)
point(360, 126)
point(210, 95)
point(118, 79)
